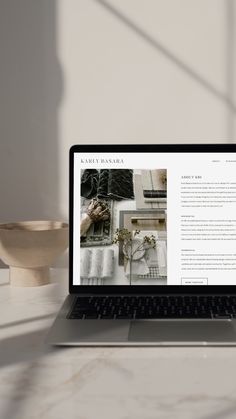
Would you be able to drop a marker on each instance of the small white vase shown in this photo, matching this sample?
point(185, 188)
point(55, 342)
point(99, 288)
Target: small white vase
point(30, 247)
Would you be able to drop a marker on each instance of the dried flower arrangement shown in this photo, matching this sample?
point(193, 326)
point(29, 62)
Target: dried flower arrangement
point(128, 239)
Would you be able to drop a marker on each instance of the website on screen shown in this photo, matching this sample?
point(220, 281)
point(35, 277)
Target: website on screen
point(154, 219)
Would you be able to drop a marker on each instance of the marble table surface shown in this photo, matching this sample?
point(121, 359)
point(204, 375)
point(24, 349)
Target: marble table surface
point(39, 381)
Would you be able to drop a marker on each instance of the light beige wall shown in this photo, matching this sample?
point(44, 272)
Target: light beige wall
point(145, 71)
point(75, 71)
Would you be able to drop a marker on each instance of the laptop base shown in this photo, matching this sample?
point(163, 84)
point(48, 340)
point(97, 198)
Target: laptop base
point(67, 332)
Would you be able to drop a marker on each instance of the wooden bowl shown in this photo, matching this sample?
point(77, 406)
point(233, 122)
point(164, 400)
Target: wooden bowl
point(30, 247)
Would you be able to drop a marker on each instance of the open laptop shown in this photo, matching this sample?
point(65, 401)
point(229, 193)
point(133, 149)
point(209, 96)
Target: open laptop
point(152, 257)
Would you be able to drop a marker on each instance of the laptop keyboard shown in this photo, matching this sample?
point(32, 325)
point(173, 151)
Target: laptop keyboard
point(154, 307)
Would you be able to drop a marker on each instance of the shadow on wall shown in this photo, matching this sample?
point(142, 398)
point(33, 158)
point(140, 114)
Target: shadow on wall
point(226, 97)
point(31, 89)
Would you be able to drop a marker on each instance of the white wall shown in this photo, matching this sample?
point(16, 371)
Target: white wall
point(76, 71)
point(145, 71)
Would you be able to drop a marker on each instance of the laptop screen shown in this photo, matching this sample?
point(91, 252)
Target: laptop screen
point(154, 219)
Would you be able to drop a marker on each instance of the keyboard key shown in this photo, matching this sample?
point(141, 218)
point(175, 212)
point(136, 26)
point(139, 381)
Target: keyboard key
point(91, 316)
point(222, 316)
point(107, 316)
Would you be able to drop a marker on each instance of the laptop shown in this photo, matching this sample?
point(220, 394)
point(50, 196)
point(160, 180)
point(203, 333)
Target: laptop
point(152, 255)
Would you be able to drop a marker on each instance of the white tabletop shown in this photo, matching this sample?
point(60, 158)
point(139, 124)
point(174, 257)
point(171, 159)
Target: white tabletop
point(38, 381)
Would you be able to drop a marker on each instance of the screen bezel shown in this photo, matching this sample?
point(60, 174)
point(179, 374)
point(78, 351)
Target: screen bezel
point(139, 148)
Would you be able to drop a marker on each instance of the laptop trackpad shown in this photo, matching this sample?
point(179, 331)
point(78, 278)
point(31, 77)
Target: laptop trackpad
point(182, 331)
